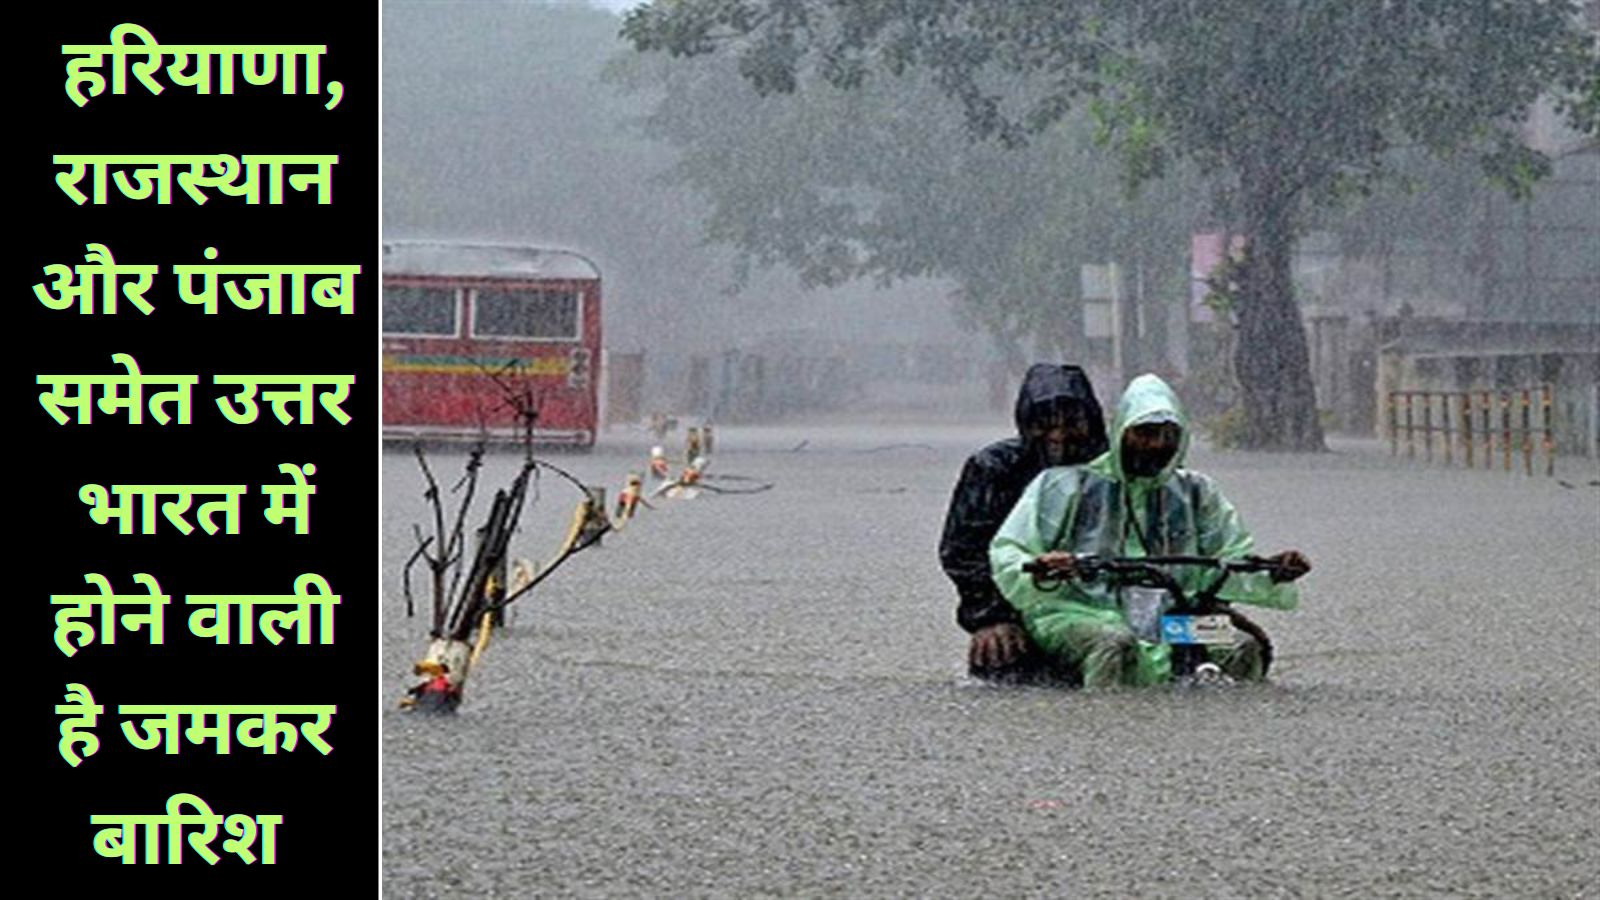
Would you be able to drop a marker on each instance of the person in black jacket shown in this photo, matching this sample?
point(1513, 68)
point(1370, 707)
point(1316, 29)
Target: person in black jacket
point(1059, 423)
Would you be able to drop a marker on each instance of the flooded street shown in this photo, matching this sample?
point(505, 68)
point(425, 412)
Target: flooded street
point(763, 695)
point(1311, 218)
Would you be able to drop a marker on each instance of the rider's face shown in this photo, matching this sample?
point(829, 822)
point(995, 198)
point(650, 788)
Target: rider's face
point(1146, 449)
point(1059, 433)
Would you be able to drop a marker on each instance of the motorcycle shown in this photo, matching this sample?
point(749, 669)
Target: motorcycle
point(1159, 610)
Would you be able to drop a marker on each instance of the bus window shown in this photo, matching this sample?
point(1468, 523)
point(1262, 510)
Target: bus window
point(541, 315)
point(409, 309)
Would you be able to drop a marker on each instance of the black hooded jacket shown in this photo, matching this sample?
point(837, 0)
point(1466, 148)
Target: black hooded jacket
point(996, 476)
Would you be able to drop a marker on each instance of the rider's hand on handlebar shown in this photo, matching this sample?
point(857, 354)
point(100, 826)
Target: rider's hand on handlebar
point(1060, 563)
point(1291, 564)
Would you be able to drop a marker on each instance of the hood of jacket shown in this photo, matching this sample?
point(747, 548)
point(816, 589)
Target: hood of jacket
point(1049, 386)
point(1148, 399)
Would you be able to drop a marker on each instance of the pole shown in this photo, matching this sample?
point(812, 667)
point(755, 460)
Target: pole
point(1547, 406)
point(1505, 428)
point(1527, 432)
point(1394, 426)
point(1427, 427)
point(1411, 438)
point(1488, 433)
point(1448, 434)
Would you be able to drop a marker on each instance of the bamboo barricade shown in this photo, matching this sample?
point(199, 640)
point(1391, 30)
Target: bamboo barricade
point(1519, 420)
point(464, 620)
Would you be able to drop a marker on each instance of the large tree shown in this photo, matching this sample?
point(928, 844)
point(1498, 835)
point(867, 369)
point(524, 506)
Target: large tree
point(884, 182)
point(1288, 104)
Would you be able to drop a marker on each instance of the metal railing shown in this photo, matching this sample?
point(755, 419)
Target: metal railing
point(1480, 424)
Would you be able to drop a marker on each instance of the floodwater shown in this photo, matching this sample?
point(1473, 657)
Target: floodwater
point(762, 695)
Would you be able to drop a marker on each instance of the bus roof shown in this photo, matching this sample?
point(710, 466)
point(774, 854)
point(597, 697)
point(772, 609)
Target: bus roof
point(484, 261)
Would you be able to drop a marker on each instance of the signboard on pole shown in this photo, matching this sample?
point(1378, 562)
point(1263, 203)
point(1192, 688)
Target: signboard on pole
point(1098, 284)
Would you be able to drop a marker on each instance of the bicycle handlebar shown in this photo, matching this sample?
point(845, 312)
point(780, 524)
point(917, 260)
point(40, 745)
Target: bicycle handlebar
point(1147, 569)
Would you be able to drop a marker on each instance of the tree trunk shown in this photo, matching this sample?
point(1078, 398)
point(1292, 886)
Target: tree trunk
point(1271, 359)
point(1056, 331)
point(1125, 316)
point(1073, 345)
point(1007, 372)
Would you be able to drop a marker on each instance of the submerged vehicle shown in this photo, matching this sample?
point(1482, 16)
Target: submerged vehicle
point(1159, 610)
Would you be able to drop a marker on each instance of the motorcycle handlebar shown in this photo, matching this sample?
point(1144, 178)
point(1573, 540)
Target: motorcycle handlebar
point(1090, 566)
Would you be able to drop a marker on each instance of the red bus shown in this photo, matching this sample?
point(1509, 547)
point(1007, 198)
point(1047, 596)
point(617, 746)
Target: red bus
point(464, 322)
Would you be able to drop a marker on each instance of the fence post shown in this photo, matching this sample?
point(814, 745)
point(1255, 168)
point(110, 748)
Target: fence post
point(1488, 433)
point(1505, 428)
point(1547, 404)
point(1594, 421)
point(1466, 428)
point(1527, 432)
point(1411, 436)
point(1449, 435)
point(1427, 427)
point(1394, 426)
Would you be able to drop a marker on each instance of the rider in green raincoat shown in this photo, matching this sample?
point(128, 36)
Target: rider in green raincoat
point(1133, 500)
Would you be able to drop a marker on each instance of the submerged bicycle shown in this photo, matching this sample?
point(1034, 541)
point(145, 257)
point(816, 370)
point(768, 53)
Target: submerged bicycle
point(1159, 609)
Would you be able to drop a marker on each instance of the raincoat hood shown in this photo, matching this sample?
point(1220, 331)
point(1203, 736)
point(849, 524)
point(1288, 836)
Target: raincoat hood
point(1046, 387)
point(1147, 400)
point(1095, 509)
point(993, 478)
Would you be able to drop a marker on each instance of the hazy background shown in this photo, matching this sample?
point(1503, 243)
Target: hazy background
point(533, 123)
point(498, 126)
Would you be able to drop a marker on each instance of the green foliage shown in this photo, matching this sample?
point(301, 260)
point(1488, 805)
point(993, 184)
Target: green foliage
point(1290, 106)
point(1301, 90)
point(884, 182)
point(1515, 167)
point(1225, 430)
point(1222, 287)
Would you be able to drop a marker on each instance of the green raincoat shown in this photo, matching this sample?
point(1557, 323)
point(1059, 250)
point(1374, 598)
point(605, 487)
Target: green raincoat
point(1098, 509)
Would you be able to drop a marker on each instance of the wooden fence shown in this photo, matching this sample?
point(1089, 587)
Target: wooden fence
point(1476, 426)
